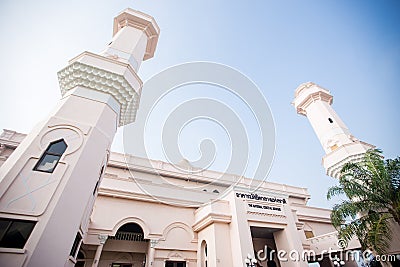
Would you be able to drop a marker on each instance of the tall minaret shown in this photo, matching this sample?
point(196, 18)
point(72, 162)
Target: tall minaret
point(49, 183)
point(314, 102)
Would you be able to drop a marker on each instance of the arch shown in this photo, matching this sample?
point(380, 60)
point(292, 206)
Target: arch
point(138, 221)
point(72, 134)
point(123, 257)
point(131, 227)
point(80, 259)
point(81, 255)
point(181, 225)
point(175, 255)
point(203, 253)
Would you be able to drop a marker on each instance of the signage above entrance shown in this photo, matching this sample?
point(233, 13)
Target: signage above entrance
point(253, 196)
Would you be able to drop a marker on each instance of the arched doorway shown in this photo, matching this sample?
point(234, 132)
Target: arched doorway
point(126, 248)
point(129, 232)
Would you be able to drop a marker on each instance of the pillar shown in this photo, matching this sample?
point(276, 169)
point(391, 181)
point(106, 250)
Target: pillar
point(288, 241)
point(240, 234)
point(151, 252)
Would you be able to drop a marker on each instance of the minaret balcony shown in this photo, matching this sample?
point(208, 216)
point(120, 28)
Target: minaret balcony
point(105, 75)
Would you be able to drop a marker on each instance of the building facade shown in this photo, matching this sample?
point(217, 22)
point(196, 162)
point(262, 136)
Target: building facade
point(201, 219)
point(66, 200)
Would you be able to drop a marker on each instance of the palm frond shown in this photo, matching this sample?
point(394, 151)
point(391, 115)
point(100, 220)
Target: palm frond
point(334, 191)
point(373, 231)
point(372, 188)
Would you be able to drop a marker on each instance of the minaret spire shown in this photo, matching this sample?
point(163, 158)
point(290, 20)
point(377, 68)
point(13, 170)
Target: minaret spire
point(135, 37)
point(314, 102)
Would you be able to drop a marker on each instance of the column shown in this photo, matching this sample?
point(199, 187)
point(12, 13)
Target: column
point(103, 239)
point(240, 234)
point(288, 241)
point(151, 252)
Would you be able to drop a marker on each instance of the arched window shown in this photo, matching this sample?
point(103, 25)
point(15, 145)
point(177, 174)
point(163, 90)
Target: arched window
point(130, 232)
point(49, 160)
point(204, 254)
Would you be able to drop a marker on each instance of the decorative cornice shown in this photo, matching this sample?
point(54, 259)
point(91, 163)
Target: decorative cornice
point(118, 160)
point(79, 74)
point(307, 93)
point(320, 95)
point(313, 219)
point(145, 197)
point(323, 237)
point(8, 144)
point(210, 219)
point(153, 242)
point(334, 170)
point(102, 238)
point(178, 174)
point(141, 21)
point(307, 85)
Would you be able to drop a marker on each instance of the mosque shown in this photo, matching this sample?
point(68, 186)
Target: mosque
point(67, 200)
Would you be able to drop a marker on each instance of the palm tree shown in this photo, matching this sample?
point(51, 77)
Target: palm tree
point(372, 187)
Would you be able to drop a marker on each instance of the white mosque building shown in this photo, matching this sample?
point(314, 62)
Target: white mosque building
point(67, 200)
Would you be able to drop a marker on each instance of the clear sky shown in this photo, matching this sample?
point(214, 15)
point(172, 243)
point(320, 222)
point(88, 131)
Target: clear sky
point(351, 48)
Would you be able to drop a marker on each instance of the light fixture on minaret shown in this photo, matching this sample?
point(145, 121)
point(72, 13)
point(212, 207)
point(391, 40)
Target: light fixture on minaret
point(49, 183)
point(314, 102)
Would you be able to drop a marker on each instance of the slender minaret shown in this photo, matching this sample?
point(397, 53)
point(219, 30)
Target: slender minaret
point(49, 183)
point(339, 144)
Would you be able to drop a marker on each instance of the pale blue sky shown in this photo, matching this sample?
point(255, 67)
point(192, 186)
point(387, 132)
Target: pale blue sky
point(349, 47)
